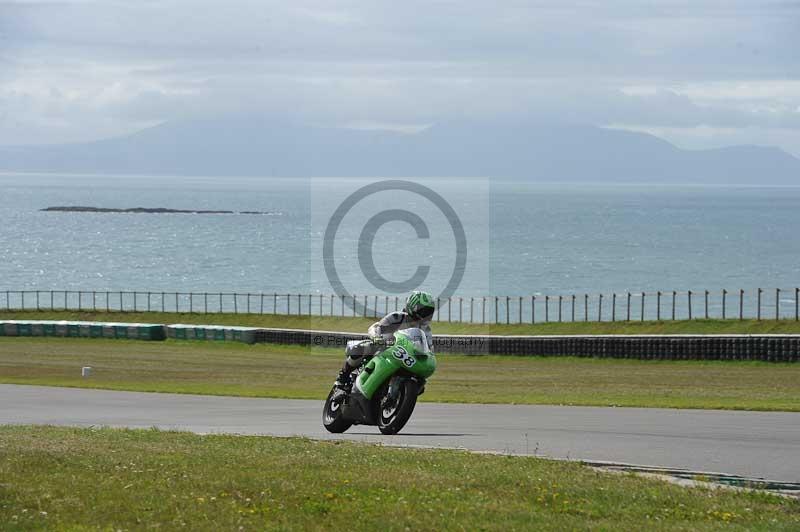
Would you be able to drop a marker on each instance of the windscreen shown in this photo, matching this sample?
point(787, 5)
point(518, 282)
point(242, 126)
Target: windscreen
point(418, 338)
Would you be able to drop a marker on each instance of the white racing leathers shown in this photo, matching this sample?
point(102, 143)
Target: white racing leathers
point(385, 328)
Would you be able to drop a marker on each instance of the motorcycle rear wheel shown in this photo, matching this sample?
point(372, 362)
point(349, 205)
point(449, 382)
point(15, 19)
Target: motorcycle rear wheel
point(392, 418)
point(332, 417)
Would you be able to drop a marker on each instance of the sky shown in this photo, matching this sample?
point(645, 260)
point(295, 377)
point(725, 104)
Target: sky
point(697, 73)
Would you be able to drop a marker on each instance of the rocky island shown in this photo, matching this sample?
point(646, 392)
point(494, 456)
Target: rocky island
point(145, 210)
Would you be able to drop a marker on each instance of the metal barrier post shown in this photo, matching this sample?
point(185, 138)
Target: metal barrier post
point(559, 308)
point(628, 307)
point(724, 297)
point(614, 307)
point(777, 303)
point(658, 305)
point(674, 297)
point(585, 307)
point(642, 313)
point(706, 304)
point(533, 309)
point(600, 308)
point(572, 309)
point(759, 305)
point(547, 309)
point(690, 304)
point(741, 304)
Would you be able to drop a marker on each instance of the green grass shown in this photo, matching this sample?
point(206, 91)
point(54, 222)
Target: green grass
point(360, 324)
point(266, 370)
point(109, 479)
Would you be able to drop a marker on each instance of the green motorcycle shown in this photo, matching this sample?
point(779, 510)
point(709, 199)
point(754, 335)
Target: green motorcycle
point(385, 389)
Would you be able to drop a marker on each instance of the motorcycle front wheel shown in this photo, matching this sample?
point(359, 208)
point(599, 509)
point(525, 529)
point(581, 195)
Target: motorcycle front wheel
point(395, 413)
point(332, 417)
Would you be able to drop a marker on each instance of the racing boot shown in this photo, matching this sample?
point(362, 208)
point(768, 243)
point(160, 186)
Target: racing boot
point(345, 380)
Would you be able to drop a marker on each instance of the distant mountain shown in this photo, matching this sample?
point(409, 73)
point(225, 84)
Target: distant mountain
point(258, 146)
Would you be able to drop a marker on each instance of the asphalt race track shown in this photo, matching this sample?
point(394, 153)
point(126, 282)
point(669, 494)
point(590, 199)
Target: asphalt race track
point(752, 444)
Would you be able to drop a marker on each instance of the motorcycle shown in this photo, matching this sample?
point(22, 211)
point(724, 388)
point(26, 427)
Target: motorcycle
point(385, 388)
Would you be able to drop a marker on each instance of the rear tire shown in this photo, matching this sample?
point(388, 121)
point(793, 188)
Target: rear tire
point(332, 418)
point(392, 418)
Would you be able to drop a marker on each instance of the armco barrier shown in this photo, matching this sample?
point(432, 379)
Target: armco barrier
point(767, 347)
point(763, 347)
point(82, 329)
point(133, 331)
point(180, 331)
point(772, 348)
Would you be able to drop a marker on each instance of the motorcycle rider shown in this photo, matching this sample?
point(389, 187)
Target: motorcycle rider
point(417, 312)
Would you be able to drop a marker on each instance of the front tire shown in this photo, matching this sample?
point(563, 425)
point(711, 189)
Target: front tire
point(332, 417)
point(394, 415)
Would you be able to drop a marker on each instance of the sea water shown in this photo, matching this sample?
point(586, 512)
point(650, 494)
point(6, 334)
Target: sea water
point(540, 239)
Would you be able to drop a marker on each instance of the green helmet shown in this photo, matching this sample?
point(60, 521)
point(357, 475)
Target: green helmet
point(420, 305)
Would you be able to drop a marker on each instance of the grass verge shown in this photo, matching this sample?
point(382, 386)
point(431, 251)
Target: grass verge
point(350, 324)
point(265, 370)
point(110, 479)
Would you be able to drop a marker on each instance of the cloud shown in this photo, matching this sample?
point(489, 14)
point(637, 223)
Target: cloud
point(80, 70)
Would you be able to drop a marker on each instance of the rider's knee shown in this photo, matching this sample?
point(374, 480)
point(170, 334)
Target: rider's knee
point(356, 351)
